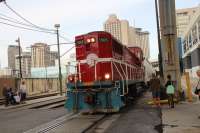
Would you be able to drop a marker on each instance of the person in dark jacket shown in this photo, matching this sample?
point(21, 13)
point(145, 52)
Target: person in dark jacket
point(170, 96)
point(6, 94)
point(155, 88)
point(11, 96)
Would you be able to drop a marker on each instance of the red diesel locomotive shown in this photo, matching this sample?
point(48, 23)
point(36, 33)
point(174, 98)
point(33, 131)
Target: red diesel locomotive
point(107, 73)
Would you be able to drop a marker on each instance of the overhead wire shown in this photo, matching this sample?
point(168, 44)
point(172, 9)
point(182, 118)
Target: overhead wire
point(64, 43)
point(16, 22)
point(25, 28)
point(1, 14)
point(12, 20)
point(67, 51)
point(30, 24)
point(16, 13)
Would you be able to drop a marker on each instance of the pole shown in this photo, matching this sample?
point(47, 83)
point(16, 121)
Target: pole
point(159, 42)
point(20, 64)
point(46, 79)
point(189, 94)
point(59, 66)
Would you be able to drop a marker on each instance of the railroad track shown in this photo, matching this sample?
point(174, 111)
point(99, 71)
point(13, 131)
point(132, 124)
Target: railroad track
point(2, 100)
point(50, 104)
point(47, 104)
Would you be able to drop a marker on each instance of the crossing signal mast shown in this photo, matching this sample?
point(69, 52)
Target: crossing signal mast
point(169, 47)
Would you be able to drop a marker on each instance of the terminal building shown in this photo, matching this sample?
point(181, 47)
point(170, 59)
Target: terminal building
point(191, 45)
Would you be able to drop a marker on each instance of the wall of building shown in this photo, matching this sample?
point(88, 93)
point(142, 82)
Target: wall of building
point(10, 82)
point(13, 50)
point(40, 55)
point(191, 45)
point(183, 18)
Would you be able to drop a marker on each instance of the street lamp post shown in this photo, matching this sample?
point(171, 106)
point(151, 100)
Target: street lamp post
point(57, 26)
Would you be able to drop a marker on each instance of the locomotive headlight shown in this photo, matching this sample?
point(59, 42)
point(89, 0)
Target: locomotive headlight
point(107, 76)
point(92, 39)
point(88, 40)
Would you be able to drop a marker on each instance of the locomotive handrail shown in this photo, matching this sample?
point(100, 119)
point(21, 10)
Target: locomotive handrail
point(121, 77)
point(105, 60)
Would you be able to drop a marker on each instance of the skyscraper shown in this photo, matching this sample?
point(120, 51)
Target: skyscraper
point(183, 17)
point(25, 63)
point(128, 35)
point(142, 41)
point(40, 55)
point(13, 50)
point(53, 57)
point(118, 28)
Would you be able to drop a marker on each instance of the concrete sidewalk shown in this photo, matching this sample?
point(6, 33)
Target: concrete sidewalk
point(184, 118)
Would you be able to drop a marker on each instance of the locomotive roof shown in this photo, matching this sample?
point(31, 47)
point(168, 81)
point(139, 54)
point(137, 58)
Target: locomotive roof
point(105, 32)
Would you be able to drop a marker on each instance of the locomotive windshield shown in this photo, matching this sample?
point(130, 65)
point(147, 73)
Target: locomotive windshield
point(79, 42)
point(103, 39)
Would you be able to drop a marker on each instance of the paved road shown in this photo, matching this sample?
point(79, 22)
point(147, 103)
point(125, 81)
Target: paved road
point(139, 118)
point(20, 121)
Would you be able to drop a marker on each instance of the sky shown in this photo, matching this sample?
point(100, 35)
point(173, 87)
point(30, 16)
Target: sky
point(76, 17)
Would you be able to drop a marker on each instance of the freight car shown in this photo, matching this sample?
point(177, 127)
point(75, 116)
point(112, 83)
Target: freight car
point(107, 74)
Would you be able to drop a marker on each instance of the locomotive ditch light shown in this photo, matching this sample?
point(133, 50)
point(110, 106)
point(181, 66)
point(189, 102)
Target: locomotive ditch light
point(107, 76)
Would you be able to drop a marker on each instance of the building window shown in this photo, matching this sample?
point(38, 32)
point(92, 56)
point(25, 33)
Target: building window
point(184, 46)
point(190, 40)
point(194, 34)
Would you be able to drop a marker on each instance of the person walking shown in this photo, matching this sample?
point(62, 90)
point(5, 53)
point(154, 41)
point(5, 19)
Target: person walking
point(6, 94)
point(155, 88)
point(170, 91)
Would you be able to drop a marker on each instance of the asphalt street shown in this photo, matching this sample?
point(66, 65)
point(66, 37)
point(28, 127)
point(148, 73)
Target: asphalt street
point(138, 118)
point(23, 120)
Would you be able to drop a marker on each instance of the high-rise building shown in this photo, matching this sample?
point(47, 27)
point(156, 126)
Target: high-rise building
point(53, 57)
point(128, 35)
point(118, 28)
point(40, 55)
point(132, 36)
point(142, 41)
point(13, 50)
point(25, 64)
point(183, 17)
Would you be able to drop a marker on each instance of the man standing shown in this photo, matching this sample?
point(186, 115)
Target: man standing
point(155, 88)
point(23, 92)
